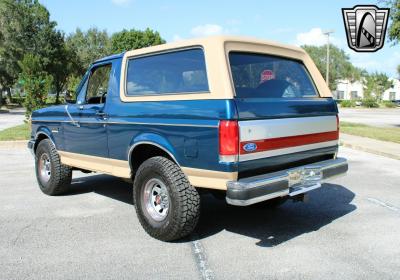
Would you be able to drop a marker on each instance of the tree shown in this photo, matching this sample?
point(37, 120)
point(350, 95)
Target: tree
point(36, 83)
point(394, 28)
point(87, 47)
point(134, 39)
point(340, 66)
point(375, 85)
point(398, 70)
point(26, 28)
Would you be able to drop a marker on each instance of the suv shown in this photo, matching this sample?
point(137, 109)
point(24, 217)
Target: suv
point(249, 119)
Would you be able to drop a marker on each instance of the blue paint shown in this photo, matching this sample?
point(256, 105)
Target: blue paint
point(186, 129)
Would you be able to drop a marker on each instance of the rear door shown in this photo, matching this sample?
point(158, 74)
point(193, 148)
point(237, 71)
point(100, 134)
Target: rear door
point(282, 120)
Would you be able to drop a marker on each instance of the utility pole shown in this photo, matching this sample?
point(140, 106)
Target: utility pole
point(327, 33)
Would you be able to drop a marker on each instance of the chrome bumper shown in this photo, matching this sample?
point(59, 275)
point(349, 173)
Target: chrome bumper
point(31, 144)
point(288, 182)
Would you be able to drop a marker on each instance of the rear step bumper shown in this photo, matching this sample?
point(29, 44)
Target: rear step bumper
point(289, 182)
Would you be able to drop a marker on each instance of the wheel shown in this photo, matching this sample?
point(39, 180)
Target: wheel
point(271, 203)
point(167, 206)
point(53, 177)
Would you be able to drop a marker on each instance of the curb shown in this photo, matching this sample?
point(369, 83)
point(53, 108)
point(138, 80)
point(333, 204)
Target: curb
point(368, 150)
point(14, 144)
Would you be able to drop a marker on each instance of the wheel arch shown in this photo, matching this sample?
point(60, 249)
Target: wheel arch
point(144, 148)
point(41, 134)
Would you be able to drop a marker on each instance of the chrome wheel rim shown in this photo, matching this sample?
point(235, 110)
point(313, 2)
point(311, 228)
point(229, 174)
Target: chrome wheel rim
point(156, 199)
point(44, 168)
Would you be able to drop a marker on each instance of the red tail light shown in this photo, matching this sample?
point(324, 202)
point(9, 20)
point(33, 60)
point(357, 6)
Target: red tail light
point(228, 140)
point(337, 124)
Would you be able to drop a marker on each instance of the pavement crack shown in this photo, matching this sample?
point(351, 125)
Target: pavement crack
point(384, 204)
point(200, 257)
point(20, 233)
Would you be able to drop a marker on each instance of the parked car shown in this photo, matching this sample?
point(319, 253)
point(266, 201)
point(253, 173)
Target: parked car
point(249, 119)
point(397, 102)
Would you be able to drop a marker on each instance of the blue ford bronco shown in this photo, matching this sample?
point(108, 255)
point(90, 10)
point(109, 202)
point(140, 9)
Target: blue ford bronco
point(248, 120)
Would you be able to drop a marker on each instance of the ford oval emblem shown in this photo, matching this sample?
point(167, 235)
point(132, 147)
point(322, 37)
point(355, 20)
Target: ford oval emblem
point(250, 147)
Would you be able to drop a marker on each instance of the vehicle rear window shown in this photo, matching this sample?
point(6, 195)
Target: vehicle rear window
point(266, 76)
point(167, 73)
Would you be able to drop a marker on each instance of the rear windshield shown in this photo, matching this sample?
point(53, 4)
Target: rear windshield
point(266, 76)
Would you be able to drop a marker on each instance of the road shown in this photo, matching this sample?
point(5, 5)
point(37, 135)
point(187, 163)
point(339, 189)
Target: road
point(12, 118)
point(374, 117)
point(349, 229)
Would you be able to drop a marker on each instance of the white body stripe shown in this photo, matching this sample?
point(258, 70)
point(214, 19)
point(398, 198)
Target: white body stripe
point(285, 151)
point(275, 128)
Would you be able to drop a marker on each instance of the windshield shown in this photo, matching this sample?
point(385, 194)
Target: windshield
point(266, 76)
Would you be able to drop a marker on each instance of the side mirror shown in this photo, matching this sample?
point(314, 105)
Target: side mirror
point(70, 97)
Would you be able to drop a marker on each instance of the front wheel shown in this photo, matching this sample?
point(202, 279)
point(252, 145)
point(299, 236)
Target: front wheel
point(167, 206)
point(53, 177)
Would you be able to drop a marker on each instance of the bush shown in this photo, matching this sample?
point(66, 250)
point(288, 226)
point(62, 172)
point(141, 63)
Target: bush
point(370, 103)
point(348, 103)
point(36, 83)
point(389, 104)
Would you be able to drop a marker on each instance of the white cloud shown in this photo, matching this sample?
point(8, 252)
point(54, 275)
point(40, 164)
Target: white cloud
point(371, 63)
point(177, 37)
point(315, 37)
point(121, 2)
point(207, 30)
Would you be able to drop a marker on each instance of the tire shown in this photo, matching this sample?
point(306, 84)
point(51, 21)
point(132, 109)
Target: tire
point(167, 206)
point(53, 177)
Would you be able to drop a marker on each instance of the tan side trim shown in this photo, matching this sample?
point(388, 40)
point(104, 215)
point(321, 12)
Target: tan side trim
point(120, 168)
point(115, 167)
point(203, 178)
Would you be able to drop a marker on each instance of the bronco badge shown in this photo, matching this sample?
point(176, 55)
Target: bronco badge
point(365, 27)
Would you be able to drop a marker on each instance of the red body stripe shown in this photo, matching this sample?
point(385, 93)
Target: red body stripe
point(290, 141)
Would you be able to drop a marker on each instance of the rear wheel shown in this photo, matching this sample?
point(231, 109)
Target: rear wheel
point(53, 177)
point(168, 207)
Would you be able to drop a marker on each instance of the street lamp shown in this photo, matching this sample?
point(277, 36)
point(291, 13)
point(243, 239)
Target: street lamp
point(327, 33)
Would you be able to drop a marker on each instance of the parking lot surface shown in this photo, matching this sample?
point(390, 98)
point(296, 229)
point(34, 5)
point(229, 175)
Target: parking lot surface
point(349, 229)
point(374, 117)
point(12, 118)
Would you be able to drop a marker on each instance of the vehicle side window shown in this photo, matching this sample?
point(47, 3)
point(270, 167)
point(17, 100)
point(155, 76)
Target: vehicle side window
point(98, 85)
point(167, 73)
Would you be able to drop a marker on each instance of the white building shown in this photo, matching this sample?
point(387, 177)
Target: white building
point(348, 90)
point(394, 92)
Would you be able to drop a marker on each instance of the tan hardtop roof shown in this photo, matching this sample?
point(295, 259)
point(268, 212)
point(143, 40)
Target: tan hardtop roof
point(216, 49)
point(213, 40)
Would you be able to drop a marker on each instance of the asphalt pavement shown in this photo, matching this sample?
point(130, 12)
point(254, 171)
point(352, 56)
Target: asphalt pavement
point(349, 229)
point(375, 117)
point(11, 118)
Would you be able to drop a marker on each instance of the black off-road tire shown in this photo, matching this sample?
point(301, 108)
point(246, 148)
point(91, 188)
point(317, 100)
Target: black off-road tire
point(184, 201)
point(61, 175)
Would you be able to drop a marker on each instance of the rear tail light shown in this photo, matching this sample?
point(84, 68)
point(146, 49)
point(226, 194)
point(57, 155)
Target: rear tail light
point(337, 125)
point(228, 141)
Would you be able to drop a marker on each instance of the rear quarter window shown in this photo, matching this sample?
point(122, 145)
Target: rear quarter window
point(167, 73)
point(266, 76)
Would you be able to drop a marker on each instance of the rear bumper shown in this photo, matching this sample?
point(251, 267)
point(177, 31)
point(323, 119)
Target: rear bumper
point(255, 189)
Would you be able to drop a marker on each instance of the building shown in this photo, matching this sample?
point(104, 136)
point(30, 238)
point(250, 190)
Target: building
point(348, 90)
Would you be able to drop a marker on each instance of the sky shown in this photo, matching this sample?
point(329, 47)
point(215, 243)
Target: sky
point(287, 21)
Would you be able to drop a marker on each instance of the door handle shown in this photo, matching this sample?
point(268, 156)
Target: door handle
point(101, 114)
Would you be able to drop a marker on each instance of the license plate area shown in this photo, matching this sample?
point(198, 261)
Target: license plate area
point(304, 179)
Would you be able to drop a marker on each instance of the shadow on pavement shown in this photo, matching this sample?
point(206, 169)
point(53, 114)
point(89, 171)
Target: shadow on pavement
point(109, 186)
point(270, 226)
point(275, 226)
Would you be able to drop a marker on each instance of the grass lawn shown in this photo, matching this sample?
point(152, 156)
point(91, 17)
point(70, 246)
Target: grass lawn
point(19, 132)
point(391, 134)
